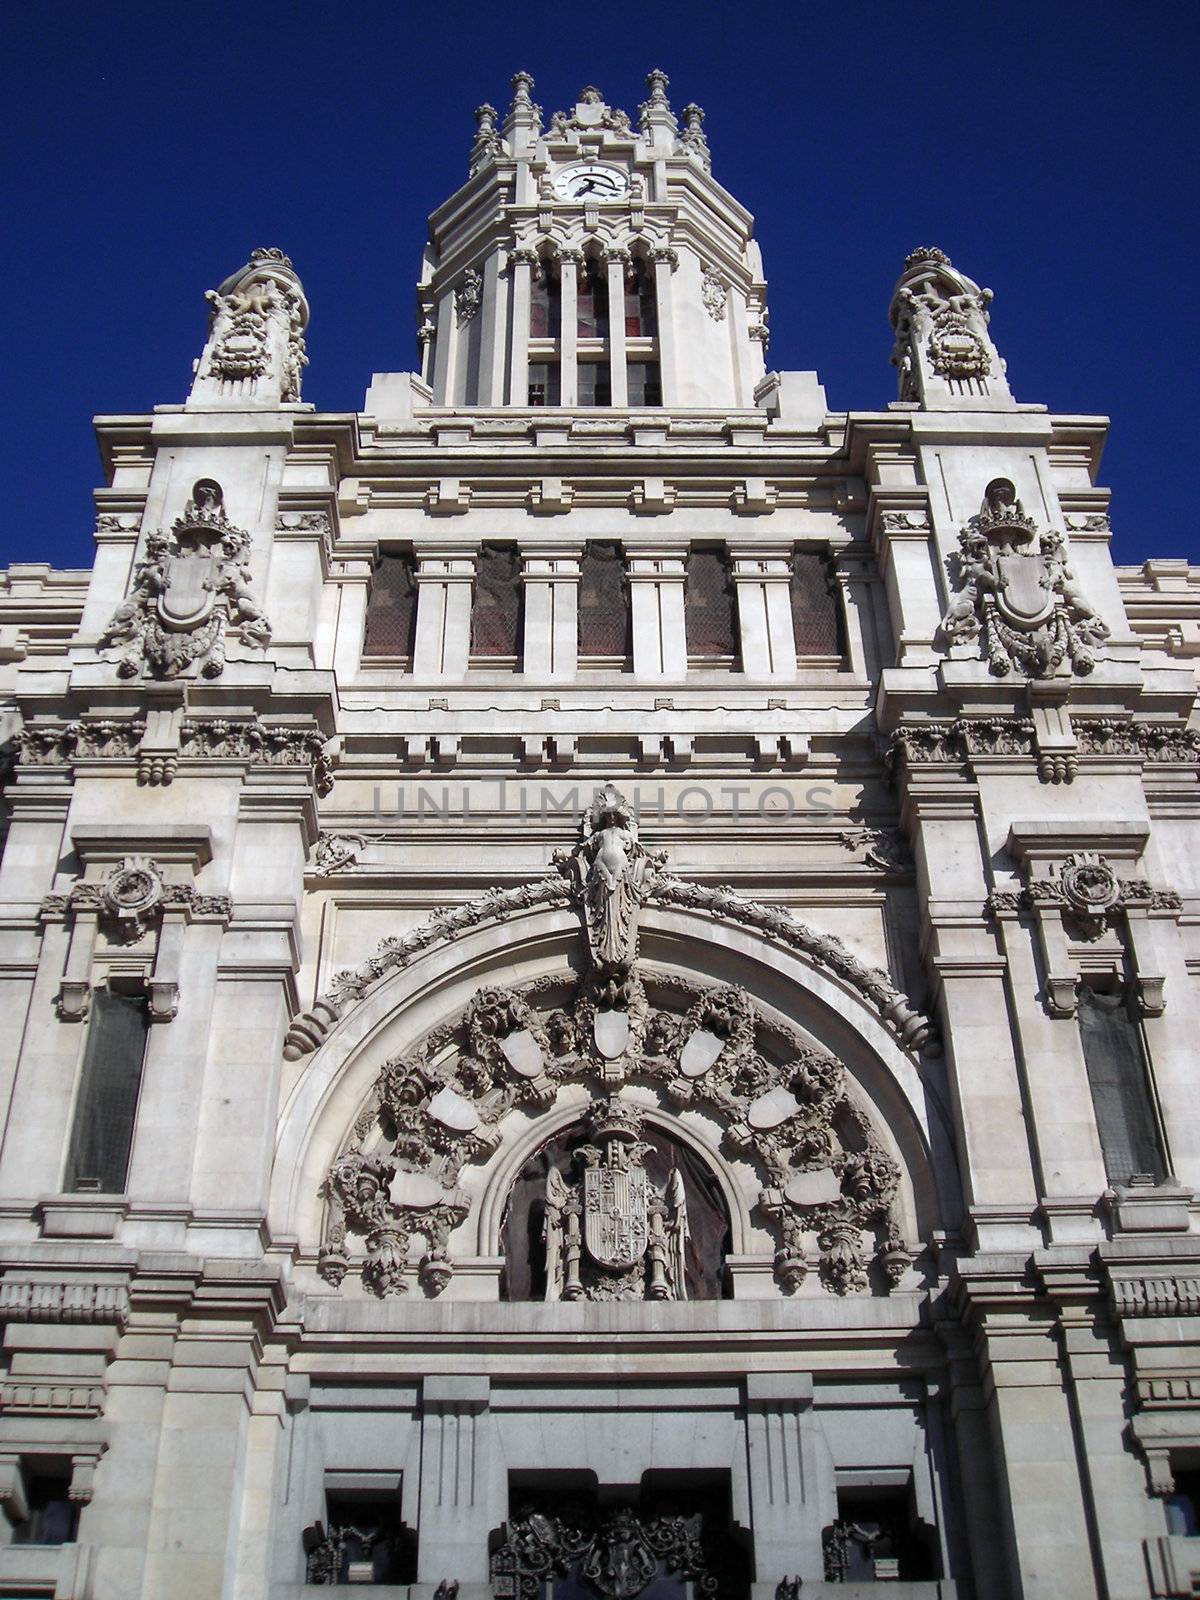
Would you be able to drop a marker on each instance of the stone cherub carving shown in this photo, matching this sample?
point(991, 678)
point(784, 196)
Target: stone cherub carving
point(192, 586)
point(1017, 593)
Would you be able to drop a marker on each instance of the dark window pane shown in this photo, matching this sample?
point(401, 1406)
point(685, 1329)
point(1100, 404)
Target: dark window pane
point(544, 386)
point(641, 310)
point(1183, 1505)
point(603, 602)
point(592, 306)
point(496, 609)
point(392, 606)
point(1116, 1069)
point(545, 303)
point(108, 1093)
point(595, 386)
point(816, 616)
point(53, 1516)
point(645, 389)
point(709, 605)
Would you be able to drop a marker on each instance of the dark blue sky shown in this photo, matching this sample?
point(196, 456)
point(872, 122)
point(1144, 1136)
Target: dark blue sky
point(1049, 148)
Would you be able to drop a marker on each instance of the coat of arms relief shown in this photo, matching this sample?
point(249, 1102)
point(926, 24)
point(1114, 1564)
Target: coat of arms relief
point(1017, 594)
point(192, 588)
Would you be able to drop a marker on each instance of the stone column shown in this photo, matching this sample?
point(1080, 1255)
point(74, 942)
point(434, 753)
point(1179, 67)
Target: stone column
point(493, 312)
point(616, 261)
point(762, 581)
point(444, 584)
point(551, 579)
point(791, 1500)
point(665, 261)
point(444, 351)
point(656, 587)
point(568, 331)
point(458, 1465)
point(521, 263)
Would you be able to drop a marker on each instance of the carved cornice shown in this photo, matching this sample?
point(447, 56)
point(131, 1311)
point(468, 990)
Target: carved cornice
point(63, 1300)
point(951, 743)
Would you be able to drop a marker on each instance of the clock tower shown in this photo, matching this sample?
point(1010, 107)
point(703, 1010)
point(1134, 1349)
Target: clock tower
point(592, 262)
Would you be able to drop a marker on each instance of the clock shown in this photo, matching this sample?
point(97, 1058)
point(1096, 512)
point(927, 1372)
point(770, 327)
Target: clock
point(591, 181)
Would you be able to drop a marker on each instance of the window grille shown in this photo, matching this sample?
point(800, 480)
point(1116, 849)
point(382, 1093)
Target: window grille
point(545, 388)
point(816, 615)
point(392, 606)
point(1120, 1085)
point(592, 302)
point(595, 384)
point(545, 303)
point(497, 609)
point(641, 310)
point(709, 605)
point(108, 1093)
point(603, 602)
point(645, 385)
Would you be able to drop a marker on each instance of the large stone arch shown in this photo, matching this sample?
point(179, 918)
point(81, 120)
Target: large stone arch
point(902, 1092)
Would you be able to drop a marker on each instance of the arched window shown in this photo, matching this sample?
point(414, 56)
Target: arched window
point(545, 302)
point(603, 603)
point(710, 612)
point(497, 611)
point(641, 307)
point(816, 615)
point(392, 606)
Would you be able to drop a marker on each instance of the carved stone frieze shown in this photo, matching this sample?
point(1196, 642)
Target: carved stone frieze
point(1088, 892)
point(63, 1300)
point(261, 744)
point(191, 588)
point(884, 848)
point(615, 1554)
point(58, 744)
point(1017, 594)
point(132, 898)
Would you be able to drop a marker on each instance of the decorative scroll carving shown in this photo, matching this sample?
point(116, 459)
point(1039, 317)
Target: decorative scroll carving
point(1089, 893)
point(1021, 603)
point(193, 585)
point(256, 326)
point(714, 292)
point(337, 850)
point(58, 744)
point(468, 296)
point(885, 848)
point(132, 898)
point(617, 1552)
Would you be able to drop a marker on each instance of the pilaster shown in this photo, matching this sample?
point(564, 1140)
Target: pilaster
point(445, 577)
point(656, 590)
point(551, 579)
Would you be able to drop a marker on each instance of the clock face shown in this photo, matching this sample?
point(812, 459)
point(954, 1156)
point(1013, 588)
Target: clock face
point(591, 182)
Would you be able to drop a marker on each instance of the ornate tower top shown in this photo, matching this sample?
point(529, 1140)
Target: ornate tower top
point(943, 349)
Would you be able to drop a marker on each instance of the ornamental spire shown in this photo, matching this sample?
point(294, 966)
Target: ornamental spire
point(524, 120)
point(487, 144)
point(655, 117)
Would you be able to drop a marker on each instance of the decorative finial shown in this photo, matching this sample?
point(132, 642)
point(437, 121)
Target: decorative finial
point(589, 95)
point(692, 137)
point(486, 141)
point(656, 108)
point(522, 86)
point(923, 253)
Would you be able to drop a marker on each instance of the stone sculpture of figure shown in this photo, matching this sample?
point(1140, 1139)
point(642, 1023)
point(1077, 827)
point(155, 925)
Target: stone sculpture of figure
point(1061, 577)
point(558, 1196)
point(677, 1232)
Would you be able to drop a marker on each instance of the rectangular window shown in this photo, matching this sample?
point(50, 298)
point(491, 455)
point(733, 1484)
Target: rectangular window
point(392, 606)
point(816, 614)
point(595, 385)
point(592, 302)
point(544, 386)
point(710, 610)
point(108, 1093)
point(603, 601)
point(1120, 1085)
point(497, 607)
point(645, 387)
point(53, 1515)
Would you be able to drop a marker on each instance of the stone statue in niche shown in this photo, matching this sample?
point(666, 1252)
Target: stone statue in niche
point(1017, 593)
point(613, 1236)
point(193, 585)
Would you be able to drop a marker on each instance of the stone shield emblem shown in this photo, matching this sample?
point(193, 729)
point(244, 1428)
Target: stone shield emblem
point(1026, 595)
point(615, 1227)
point(190, 593)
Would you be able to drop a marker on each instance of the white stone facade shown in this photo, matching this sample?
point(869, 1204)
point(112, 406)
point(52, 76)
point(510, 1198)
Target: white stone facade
point(598, 929)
